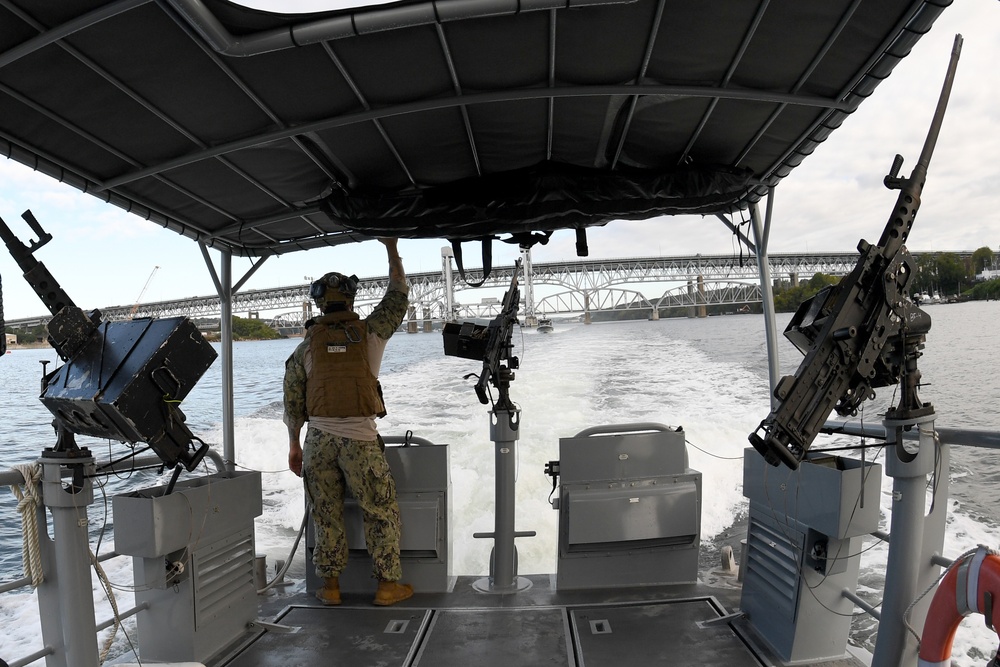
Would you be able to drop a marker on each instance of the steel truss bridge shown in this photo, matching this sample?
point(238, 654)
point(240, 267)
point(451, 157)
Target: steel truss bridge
point(574, 287)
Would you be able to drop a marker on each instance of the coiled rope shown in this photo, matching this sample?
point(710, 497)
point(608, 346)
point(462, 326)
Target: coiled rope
point(28, 502)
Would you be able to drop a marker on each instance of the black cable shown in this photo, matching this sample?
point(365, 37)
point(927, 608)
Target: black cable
point(127, 456)
point(173, 479)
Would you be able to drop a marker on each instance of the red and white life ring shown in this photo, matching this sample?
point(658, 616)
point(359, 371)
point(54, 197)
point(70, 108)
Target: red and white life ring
point(970, 586)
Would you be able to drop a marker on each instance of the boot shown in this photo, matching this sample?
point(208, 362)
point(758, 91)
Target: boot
point(329, 594)
point(391, 592)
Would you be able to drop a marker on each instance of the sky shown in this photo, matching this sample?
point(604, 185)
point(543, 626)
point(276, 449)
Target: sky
point(103, 256)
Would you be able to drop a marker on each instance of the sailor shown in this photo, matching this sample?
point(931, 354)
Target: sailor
point(331, 381)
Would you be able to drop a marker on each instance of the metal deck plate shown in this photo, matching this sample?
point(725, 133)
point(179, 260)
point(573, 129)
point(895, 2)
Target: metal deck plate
point(504, 637)
point(648, 632)
point(338, 636)
point(658, 633)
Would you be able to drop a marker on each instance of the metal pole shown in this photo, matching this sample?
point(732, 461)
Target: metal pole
point(913, 539)
point(766, 292)
point(504, 435)
point(226, 333)
point(67, 587)
point(504, 427)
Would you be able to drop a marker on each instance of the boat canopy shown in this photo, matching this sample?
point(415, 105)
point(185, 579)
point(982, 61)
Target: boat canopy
point(261, 134)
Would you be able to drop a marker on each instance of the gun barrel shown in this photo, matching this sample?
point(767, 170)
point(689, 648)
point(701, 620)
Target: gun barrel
point(942, 106)
point(901, 221)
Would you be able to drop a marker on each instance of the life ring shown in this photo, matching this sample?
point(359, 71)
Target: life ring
point(970, 585)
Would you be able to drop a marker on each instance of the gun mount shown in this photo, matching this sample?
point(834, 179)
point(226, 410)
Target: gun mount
point(864, 333)
point(120, 380)
point(490, 343)
point(493, 345)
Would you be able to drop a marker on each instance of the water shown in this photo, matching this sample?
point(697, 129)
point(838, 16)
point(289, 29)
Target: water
point(707, 375)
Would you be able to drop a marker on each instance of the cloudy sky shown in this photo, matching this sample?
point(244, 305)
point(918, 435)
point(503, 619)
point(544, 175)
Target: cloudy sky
point(103, 256)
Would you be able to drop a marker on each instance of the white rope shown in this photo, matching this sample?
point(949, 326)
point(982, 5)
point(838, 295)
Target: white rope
point(106, 584)
point(28, 502)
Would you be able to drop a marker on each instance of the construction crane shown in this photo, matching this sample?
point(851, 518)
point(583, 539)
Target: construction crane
point(144, 288)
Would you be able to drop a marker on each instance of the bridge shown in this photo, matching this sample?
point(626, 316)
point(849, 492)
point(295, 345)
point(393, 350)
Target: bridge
point(579, 286)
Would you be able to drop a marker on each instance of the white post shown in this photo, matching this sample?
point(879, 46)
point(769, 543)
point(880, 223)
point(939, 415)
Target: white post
point(449, 284)
point(530, 318)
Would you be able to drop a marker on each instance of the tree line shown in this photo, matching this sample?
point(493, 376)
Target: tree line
point(243, 329)
point(943, 273)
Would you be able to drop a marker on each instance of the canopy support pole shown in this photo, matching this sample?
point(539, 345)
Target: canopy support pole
point(761, 236)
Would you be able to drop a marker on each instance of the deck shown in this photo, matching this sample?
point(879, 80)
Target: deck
point(680, 624)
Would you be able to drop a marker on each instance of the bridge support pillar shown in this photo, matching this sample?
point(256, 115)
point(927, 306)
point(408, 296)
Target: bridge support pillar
point(702, 308)
point(411, 320)
point(586, 309)
point(691, 312)
point(793, 278)
point(655, 315)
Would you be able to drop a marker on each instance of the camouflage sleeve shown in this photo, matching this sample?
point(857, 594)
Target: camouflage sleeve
point(389, 313)
point(295, 389)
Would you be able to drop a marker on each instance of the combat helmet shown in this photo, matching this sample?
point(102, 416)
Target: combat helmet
point(332, 288)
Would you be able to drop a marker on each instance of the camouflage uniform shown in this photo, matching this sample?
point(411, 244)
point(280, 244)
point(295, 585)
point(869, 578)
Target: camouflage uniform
point(339, 450)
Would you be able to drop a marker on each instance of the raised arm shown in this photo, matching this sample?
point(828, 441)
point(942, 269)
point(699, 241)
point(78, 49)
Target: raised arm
point(396, 273)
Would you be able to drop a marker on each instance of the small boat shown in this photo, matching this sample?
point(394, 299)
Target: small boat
point(671, 112)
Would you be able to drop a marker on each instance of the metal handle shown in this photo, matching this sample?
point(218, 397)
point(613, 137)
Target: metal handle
point(607, 429)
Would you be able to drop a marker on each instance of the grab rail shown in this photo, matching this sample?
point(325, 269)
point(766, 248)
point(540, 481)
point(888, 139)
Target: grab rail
point(614, 429)
point(965, 437)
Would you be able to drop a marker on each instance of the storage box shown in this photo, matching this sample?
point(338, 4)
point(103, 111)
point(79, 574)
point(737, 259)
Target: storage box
point(149, 524)
point(833, 495)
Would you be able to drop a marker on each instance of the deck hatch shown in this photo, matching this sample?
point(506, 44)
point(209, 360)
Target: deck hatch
point(461, 637)
point(656, 633)
point(354, 635)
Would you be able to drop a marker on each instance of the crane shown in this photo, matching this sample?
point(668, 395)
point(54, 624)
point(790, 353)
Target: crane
point(144, 288)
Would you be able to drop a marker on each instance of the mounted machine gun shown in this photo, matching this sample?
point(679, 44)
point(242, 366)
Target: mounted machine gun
point(120, 380)
point(490, 343)
point(861, 334)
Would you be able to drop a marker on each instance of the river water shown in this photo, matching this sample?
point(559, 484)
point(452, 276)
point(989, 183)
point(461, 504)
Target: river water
point(707, 375)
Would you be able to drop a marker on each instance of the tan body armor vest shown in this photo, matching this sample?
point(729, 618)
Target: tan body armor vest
point(340, 382)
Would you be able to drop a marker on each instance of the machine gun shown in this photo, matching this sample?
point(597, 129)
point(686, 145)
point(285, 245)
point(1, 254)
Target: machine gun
point(70, 329)
point(120, 380)
point(862, 334)
point(490, 343)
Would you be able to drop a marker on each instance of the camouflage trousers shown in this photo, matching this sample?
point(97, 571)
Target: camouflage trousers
point(329, 463)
